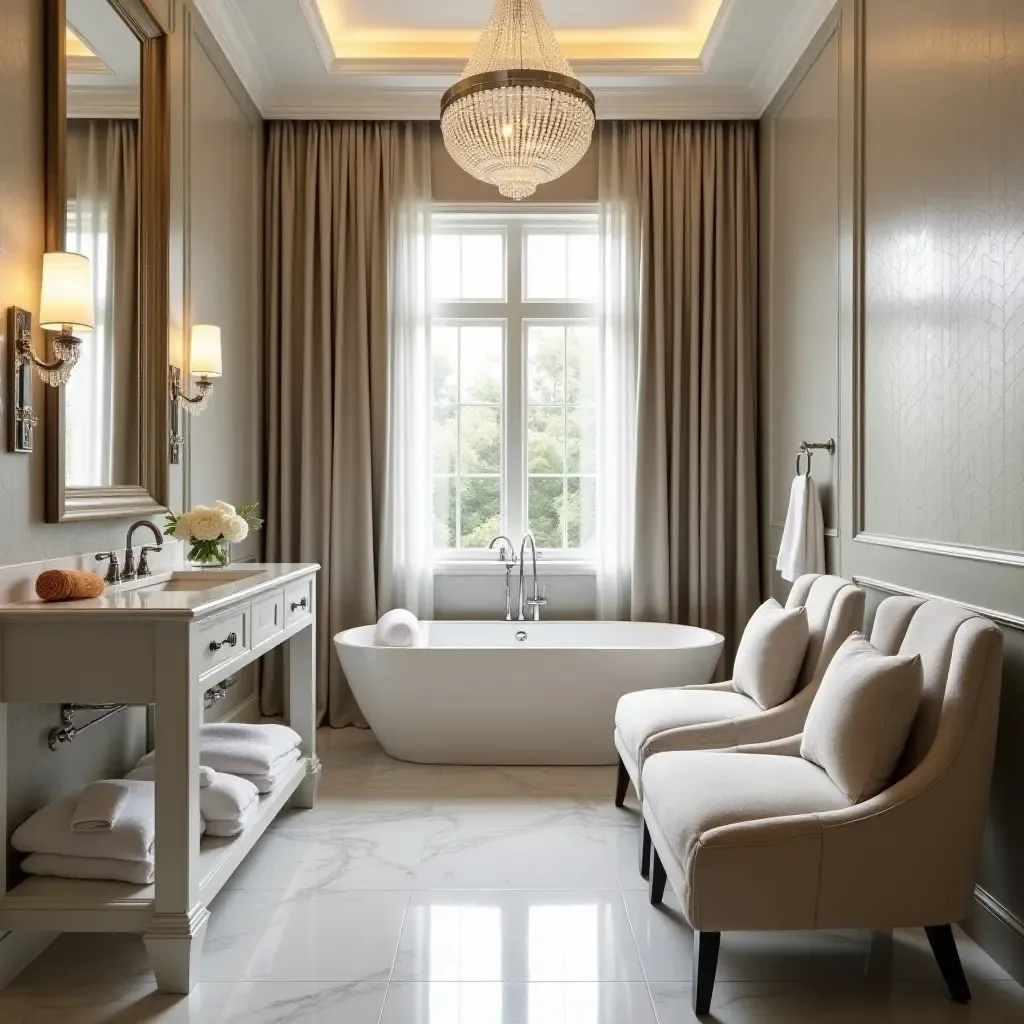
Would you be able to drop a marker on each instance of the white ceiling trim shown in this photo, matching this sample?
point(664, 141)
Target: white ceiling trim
point(117, 102)
point(228, 26)
point(227, 22)
point(800, 29)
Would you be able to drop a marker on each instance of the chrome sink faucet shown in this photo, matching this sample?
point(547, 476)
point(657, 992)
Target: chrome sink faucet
point(129, 572)
point(538, 600)
point(507, 553)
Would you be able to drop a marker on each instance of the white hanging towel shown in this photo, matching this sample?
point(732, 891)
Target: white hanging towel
point(803, 541)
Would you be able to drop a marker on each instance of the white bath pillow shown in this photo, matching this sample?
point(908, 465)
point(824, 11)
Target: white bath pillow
point(771, 653)
point(861, 717)
point(397, 628)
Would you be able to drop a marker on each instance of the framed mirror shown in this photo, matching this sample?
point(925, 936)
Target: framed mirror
point(107, 195)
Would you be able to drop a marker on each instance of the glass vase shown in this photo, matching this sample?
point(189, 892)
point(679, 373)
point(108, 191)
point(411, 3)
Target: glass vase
point(210, 554)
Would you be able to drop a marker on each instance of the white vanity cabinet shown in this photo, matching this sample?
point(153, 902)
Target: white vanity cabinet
point(164, 641)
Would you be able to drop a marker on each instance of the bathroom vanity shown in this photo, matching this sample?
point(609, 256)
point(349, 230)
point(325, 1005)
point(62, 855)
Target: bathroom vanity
point(164, 640)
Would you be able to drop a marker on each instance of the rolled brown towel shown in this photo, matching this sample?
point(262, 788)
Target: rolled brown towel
point(68, 585)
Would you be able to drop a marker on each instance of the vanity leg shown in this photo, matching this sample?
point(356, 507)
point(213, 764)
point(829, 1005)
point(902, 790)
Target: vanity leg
point(174, 943)
point(300, 666)
point(174, 938)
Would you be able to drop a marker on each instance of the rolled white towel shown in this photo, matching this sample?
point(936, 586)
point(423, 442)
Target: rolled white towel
point(227, 799)
point(147, 773)
point(99, 806)
point(241, 749)
point(55, 865)
point(131, 838)
point(398, 628)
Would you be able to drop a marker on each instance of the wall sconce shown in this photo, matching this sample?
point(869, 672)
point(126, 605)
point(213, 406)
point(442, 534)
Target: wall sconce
point(65, 305)
point(205, 362)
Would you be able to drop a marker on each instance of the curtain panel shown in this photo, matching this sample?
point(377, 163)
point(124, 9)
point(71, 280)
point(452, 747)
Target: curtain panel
point(333, 190)
point(692, 189)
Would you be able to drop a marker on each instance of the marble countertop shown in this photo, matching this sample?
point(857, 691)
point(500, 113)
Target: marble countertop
point(147, 599)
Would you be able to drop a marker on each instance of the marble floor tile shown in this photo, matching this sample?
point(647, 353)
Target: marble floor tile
point(304, 935)
point(507, 850)
point(511, 1003)
point(516, 936)
point(624, 843)
point(841, 1003)
point(209, 1002)
point(331, 857)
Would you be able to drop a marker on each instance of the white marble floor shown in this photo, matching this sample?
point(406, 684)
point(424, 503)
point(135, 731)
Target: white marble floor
point(423, 895)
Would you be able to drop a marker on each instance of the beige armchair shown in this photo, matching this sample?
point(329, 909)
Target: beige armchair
point(716, 716)
point(761, 839)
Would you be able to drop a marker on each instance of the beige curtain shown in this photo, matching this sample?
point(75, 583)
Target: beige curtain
point(693, 188)
point(102, 223)
point(332, 189)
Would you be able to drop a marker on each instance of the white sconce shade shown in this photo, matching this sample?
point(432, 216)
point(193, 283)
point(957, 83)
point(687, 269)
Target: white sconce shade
point(67, 292)
point(206, 354)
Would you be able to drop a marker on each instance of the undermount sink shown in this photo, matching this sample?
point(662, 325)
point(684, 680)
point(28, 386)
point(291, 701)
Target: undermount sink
point(198, 579)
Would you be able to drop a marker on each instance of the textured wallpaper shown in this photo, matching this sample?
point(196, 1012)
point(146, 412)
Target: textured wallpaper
point(944, 341)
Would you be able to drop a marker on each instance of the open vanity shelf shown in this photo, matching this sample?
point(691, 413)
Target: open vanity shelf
point(164, 641)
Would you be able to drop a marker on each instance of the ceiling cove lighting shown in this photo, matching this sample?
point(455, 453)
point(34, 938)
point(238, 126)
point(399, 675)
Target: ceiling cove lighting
point(518, 117)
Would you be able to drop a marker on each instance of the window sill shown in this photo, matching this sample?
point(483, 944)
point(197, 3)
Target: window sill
point(467, 567)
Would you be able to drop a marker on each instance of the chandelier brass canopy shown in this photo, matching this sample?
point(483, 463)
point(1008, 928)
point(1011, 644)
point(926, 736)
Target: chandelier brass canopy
point(518, 117)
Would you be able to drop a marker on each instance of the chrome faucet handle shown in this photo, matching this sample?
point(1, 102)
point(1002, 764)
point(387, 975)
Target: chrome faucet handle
point(144, 569)
point(114, 572)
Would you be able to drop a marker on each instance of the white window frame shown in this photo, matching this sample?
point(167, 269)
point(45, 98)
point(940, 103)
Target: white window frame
point(516, 314)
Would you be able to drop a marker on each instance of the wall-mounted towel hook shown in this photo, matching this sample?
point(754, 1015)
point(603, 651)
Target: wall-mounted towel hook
point(808, 448)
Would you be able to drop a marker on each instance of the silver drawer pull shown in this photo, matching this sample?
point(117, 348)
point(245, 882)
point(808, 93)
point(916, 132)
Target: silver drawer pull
point(230, 640)
point(299, 604)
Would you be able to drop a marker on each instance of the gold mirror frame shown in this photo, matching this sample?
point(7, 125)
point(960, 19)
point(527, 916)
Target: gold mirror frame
point(151, 496)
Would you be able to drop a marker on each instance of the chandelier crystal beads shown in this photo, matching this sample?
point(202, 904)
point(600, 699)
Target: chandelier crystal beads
point(518, 117)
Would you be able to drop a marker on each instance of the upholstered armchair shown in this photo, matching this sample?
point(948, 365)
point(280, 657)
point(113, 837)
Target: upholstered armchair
point(761, 839)
point(716, 715)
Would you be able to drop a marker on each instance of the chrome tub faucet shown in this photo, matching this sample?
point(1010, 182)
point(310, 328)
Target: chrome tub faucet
point(539, 599)
point(507, 553)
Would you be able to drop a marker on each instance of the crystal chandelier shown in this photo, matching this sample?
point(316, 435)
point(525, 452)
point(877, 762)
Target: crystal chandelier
point(518, 117)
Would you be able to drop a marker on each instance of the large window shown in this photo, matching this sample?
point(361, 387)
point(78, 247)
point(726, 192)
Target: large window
point(516, 381)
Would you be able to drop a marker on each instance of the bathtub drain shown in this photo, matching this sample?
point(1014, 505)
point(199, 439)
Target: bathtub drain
point(521, 637)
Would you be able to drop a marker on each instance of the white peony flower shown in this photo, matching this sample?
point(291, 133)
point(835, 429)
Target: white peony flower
point(206, 524)
point(224, 507)
point(183, 527)
point(236, 529)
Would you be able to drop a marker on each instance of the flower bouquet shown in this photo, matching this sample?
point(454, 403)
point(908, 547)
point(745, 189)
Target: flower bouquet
point(210, 529)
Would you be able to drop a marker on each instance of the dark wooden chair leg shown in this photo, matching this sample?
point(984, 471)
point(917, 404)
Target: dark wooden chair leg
point(940, 937)
point(645, 850)
point(657, 879)
point(621, 785)
point(705, 965)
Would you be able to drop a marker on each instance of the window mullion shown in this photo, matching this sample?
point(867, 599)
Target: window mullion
point(515, 413)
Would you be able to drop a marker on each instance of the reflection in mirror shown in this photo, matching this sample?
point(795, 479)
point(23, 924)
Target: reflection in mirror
point(102, 398)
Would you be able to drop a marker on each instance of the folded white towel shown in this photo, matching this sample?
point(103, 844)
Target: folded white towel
point(232, 826)
point(269, 781)
point(227, 799)
point(99, 806)
point(141, 872)
point(240, 749)
point(802, 549)
point(147, 773)
point(131, 838)
point(398, 628)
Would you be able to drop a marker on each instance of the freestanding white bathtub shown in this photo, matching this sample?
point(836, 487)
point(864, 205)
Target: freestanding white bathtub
point(507, 693)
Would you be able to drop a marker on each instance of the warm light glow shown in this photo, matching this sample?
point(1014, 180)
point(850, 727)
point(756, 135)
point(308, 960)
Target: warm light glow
point(683, 41)
point(66, 298)
point(507, 131)
point(206, 352)
point(75, 45)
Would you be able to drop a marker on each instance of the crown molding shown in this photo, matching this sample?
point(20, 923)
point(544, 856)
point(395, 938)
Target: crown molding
point(796, 35)
point(717, 33)
point(322, 38)
point(423, 104)
point(118, 103)
point(227, 24)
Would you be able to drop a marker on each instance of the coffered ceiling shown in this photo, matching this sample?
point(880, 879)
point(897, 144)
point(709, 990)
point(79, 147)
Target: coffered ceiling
point(394, 58)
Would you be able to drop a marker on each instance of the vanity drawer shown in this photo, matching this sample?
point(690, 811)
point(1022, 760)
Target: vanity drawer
point(298, 601)
point(267, 617)
point(223, 640)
